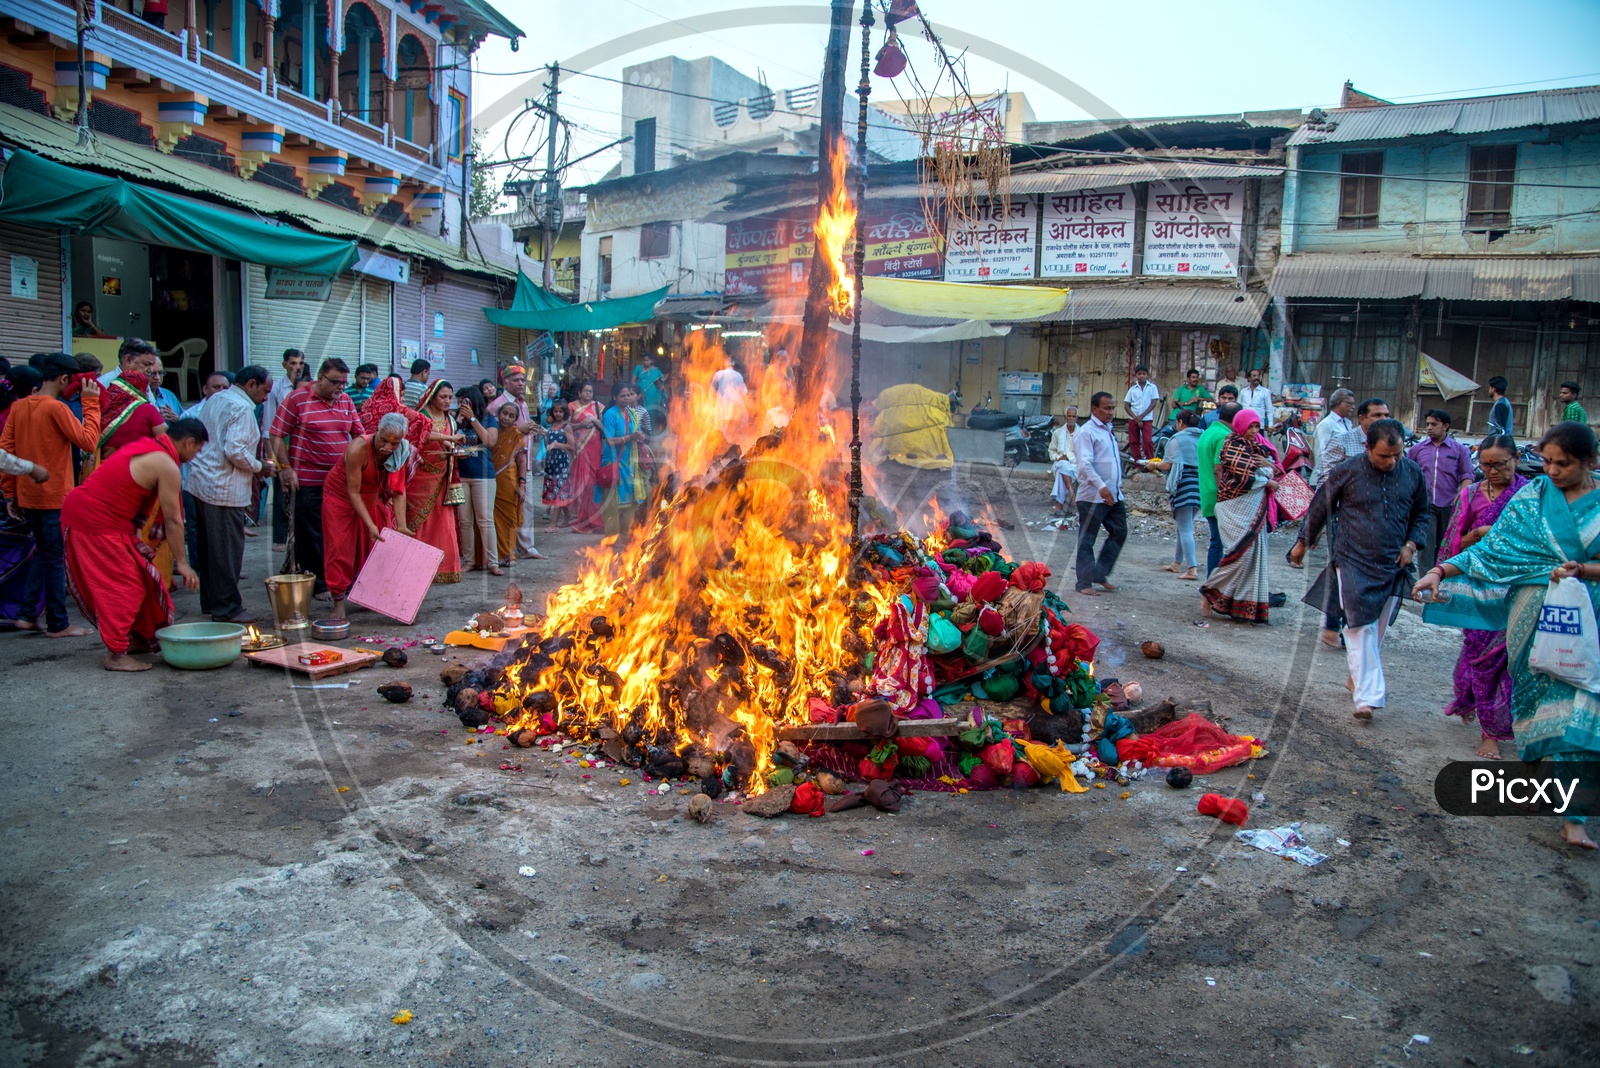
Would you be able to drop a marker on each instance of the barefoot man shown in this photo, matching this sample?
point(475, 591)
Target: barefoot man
point(114, 582)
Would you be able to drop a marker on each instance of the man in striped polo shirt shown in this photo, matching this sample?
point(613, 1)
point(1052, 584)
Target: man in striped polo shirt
point(320, 422)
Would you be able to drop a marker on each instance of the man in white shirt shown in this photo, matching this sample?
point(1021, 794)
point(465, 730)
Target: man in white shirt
point(221, 481)
point(294, 367)
point(1099, 496)
point(1140, 404)
point(1330, 426)
point(1259, 397)
point(1063, 461)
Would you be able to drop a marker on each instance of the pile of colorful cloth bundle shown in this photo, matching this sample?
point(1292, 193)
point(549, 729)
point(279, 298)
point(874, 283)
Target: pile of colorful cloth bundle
point(969, 629)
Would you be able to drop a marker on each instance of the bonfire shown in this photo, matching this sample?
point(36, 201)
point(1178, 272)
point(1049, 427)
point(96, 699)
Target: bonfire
point(685, 644)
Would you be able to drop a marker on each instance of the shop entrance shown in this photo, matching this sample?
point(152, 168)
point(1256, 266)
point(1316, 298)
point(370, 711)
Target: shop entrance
point(185, 303)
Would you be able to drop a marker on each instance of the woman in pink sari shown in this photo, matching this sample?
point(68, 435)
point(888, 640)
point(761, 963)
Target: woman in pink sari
point(430, 515)
point(1483, 676)
point(583, 430)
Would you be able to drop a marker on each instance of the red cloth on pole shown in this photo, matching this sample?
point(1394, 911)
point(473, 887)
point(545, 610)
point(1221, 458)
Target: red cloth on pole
point(110, 571)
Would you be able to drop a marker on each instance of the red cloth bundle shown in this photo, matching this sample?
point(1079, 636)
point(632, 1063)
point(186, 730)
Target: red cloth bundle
point(926, 585)
point(1022, 774)
point(999, 757)
point(808, 800)
point(1030, 576)
point(988, 586)
point(820, 711)
point(1227, 809)
point(981, 778)
point(992, 623)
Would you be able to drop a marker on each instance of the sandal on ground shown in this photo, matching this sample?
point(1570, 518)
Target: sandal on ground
point(1364, 713)
point(1191, 575)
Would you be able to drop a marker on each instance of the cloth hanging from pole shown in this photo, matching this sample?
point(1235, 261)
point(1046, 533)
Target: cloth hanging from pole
point(535, 308)
point(1449, 382)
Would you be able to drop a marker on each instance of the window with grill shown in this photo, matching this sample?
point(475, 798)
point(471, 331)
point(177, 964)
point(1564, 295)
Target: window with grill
point(644, 146)
point(1360, 181)
point(655, 240)
point(1493, 171)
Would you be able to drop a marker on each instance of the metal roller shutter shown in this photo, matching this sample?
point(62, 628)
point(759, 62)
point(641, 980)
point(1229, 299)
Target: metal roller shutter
point(377, 330)
point(407, 321)
point(31, 325)
point(512, 344)
point(319, 329)
point(462, 300)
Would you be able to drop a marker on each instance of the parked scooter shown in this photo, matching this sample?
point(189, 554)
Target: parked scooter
point(1029, 440)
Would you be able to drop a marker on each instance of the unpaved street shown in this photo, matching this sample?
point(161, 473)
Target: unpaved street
point(217, 869)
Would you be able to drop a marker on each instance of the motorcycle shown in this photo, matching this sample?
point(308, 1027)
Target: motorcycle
point(1296, 452)
point(1029, 440)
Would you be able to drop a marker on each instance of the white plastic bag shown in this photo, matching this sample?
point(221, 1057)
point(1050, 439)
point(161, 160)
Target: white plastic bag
point(1566, 644)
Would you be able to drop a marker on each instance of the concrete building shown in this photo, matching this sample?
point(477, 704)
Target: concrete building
point(362, 135)
point(1464, 230)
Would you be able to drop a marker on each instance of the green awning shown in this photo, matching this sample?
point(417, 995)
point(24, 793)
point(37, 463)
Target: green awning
point(48, 196)
point(536, 308)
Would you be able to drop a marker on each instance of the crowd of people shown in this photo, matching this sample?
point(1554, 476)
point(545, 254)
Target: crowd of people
point(1488, 540)
point(116, 494)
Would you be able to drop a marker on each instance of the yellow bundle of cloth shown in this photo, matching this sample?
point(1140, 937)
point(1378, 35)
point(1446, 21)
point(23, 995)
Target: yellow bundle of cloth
point(909, 427)
point(1052, 763)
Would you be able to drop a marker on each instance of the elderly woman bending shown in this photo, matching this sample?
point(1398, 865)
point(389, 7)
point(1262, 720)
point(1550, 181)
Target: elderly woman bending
point(362, 497)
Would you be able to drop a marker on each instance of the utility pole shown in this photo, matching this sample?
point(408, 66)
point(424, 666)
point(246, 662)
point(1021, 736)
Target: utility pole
point(552, 181)
point(815, 337)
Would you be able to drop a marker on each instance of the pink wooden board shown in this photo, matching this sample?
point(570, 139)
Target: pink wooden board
point(396, 576)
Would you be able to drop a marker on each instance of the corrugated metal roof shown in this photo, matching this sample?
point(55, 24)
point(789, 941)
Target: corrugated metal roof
point(1204, 305)
point(58, 141)
point(1066, 179)
point(1549, 107)
point(1375, 277)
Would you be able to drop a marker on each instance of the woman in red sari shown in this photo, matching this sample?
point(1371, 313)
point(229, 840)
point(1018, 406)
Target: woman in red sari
point(362, 497)
point(583, 431)
point(429, 515)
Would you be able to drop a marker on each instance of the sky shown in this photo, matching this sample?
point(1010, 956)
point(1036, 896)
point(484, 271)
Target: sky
point(1155, 57)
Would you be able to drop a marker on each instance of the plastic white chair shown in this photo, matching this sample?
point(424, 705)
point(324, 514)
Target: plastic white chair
point(188, 355)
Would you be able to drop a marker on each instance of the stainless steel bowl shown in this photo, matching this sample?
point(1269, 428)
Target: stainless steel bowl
point(330, 629)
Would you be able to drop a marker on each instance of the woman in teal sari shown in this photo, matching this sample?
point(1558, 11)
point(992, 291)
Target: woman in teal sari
point(1549, 531)
point(647, 379)
point(623, 437)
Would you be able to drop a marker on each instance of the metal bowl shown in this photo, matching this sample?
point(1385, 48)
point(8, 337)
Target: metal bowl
point(198, 646)
point(330, 629)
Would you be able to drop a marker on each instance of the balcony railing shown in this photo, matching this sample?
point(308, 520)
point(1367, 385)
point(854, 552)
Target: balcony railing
point(250, 79)
point(420, 153)
point(179, 58)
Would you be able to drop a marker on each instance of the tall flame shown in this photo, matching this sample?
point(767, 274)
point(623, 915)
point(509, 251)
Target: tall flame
point(731, 605)
point(836, 231)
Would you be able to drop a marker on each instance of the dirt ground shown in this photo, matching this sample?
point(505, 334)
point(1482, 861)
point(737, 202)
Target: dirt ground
point(218, 869)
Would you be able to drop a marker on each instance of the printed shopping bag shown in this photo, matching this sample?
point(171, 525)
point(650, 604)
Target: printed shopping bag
point(1566, 645)
point(1293, 496)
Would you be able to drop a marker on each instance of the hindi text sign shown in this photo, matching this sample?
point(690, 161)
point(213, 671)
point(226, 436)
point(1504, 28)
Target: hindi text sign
point(1087, 232)
point(998, 242)
point(1192, 228)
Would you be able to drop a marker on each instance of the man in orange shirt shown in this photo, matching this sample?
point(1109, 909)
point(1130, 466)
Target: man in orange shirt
point(41, 428)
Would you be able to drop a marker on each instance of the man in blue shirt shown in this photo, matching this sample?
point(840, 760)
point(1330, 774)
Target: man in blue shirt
point(1500, 414)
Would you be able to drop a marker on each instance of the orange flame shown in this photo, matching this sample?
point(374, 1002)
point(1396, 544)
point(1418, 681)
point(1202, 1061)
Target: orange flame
point(732, 603)
point(836, 232)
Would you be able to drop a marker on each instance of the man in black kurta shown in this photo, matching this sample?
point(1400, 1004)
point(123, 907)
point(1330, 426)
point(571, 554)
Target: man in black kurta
point(1381, 503)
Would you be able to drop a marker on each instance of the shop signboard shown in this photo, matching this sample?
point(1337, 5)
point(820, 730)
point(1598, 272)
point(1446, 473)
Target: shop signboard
point(757, 253)
point(1088, 233)
point(1192, 228)
point(900, 241)
point(296, 285)
point(999, 241)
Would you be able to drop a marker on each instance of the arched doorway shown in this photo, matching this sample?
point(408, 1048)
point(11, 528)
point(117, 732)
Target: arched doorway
point(361, 68)
point(413, 86)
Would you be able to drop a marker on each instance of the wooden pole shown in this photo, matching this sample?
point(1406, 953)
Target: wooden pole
point(815, 333)
point(863, 90)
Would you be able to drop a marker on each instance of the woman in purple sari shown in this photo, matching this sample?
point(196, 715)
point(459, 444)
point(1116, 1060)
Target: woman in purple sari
point(1483, 677)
